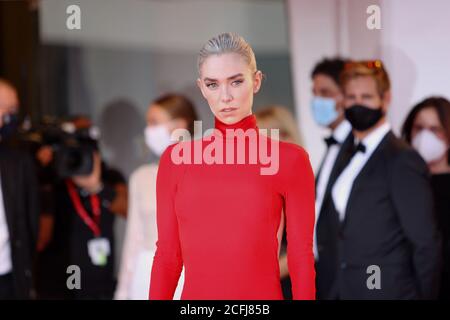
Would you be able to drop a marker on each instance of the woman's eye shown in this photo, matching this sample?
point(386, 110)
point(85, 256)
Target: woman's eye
point(211, 85)
point(237, 82)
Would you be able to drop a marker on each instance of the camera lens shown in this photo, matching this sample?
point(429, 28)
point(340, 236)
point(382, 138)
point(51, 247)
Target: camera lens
point(74, 160)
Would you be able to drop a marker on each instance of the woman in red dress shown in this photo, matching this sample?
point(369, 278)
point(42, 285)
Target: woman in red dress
point(218, 215)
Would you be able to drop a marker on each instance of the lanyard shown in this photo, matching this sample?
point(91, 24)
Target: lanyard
point(95, 204)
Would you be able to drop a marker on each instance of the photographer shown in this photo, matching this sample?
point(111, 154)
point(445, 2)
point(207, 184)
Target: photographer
point(19, 208)
point(85, 206)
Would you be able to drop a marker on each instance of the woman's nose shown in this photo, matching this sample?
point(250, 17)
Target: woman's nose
point(226, 95)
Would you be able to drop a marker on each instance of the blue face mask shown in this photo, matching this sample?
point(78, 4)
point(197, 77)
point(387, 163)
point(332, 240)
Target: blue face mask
point(324, 110)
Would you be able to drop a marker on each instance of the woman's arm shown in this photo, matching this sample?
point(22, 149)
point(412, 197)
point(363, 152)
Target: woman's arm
point(284, 270)
point(299, 210)
point(282, 258)
point(168, 262)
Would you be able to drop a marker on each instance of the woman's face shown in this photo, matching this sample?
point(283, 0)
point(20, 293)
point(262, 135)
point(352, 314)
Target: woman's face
point(228, 84)
point(160, 126)
point(428, 118)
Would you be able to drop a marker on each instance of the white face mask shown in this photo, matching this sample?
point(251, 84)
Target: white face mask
point(429, 146)
point(157, 138)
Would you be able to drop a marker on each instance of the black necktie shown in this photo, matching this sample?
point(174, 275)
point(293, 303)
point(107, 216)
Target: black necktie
point(359, 148)
point(330, 141)
point(346, 156)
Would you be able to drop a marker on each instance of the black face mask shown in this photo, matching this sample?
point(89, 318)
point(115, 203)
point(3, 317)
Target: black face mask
point(10, 125)
point(361, 117)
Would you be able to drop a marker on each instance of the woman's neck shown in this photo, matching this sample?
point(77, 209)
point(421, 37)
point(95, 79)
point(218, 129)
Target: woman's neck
point(248, 122)
point(440, 166)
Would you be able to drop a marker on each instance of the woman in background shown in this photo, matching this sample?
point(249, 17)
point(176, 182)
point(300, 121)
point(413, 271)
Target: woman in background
point(279, 117)
point(165, 114)
point(427, 129)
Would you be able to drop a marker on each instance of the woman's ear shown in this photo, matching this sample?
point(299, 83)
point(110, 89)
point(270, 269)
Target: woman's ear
point(257, 81)
point(199, 84)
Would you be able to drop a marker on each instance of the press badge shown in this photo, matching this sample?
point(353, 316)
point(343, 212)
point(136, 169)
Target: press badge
point(99, 250)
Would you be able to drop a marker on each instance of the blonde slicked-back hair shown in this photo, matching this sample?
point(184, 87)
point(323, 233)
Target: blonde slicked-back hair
point(227, 43)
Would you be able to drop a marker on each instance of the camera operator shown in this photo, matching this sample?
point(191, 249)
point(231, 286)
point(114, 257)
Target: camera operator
point(19, 207)
point(84, 212)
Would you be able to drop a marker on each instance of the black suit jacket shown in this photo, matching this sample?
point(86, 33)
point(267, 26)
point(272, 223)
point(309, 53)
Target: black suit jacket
point(20, 197)
point(389, 223)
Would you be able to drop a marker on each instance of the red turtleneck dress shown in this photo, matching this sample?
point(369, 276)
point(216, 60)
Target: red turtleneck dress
point(220, 221)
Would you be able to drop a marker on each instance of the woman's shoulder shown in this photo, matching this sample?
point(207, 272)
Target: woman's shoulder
point(292, 150)
point(294, 166)
point(292, 157)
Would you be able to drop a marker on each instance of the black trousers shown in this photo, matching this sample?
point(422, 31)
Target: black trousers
point(7, 287)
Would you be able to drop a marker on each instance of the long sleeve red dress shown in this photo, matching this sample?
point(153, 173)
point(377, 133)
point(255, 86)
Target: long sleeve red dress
point(221, 220)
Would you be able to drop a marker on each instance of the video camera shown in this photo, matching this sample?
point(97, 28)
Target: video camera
point(73, 148)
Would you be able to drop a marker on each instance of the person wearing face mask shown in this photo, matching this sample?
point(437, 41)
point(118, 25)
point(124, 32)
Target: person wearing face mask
point(326, 104)
point(381, 240)
point(19, 205)
point(427, 129)
point(165, 114)
point(328, 111)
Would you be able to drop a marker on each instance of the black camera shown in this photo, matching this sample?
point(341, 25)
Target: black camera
point(73, 148)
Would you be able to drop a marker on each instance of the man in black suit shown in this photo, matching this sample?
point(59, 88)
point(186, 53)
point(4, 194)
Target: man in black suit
point(327, 108)
point(378, 237)
point(19, 208)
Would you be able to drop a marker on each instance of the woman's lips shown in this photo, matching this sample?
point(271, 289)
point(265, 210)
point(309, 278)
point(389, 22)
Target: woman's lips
point(228, 109)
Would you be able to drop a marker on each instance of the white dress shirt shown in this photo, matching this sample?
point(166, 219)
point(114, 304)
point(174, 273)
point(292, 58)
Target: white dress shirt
point(343, 186)
point(5, 246)
point(340, 134)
